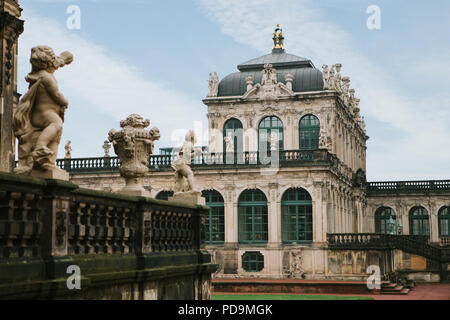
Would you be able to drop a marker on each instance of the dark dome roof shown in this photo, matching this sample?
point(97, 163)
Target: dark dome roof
point(306, 76)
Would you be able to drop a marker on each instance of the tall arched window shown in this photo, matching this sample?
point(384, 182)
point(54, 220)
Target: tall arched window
point(382, 216)
point(296, 216)
point(444, 221)
point(418, 222)
point(164, 195)
point(252, 217)
point(270, 127)
point(309, 130)
point(234, 128)
point(215, 220)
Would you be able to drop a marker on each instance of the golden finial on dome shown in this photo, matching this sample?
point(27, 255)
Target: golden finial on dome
point(278, 38)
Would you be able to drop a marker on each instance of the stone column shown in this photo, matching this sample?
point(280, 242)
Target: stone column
point(274, 218)
point(405, 219)
point(434, 227)
point(231, 221)
point(10, 29)
point(319, 207)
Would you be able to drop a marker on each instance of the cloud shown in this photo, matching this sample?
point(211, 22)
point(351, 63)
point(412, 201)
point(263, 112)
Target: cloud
point(419, 116)
point(108, 84)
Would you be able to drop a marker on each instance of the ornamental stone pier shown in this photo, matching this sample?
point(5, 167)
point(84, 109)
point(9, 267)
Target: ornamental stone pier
point(10, 29)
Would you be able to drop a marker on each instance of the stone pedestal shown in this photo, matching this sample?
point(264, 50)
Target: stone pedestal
point(56, 173)
point(137, 192)
point(191, 197)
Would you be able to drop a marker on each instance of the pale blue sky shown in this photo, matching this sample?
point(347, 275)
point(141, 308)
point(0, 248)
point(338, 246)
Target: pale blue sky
point(154, 57)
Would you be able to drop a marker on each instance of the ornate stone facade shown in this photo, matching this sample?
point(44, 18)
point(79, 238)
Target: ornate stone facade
point(10, 29)
point(280, 88)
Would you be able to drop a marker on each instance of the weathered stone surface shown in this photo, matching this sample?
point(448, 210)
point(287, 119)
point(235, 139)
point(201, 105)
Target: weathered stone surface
point(38, 120)
point(194, 197)
point(133, 145)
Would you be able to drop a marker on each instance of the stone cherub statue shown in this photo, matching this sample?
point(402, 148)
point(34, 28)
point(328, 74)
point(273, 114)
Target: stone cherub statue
point(184, 188)
point(39, 118)
point(184, 177)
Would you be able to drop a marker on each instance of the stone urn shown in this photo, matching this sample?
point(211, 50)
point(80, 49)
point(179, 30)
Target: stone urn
point(133, 145)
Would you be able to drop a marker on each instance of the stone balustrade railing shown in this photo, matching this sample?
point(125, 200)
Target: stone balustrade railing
point(375, 241)
point(47, 225)
point(390, 187)
point(204, 161)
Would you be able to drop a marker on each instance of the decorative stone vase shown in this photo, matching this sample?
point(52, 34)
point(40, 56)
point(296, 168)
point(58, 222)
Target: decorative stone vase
point(133, 145)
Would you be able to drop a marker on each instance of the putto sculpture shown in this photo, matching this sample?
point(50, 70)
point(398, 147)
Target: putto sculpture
point(38, 120)
point(184, 188)
point(133, 145)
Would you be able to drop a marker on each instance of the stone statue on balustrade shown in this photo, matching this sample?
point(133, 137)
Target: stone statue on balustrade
point(274, 140)
point(184, 188)
point(38, 120)
point(68, 150)
point(106, 147)
point(133, 145)
point(229, 142)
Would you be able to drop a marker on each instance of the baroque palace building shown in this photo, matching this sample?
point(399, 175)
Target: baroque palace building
point(283, 171)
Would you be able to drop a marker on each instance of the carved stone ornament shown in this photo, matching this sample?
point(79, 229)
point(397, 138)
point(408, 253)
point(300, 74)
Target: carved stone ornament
point(184, 188)
point(38, 120)
point(133, 145)
point(296, 269)
point(213, 85)
point(269, 89)
point(68, 150)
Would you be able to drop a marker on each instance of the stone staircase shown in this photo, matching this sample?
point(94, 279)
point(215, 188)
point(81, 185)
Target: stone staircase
point(390, 288)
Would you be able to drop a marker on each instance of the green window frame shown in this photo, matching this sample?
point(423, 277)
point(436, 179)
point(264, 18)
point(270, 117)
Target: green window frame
point(419, 224)
point(164, 195)
point(215, 220)
point(252, 217)
point(234, 126)
point(382, 215)
point(268, 125)
point(444, 221)
point(252, 261)
point(309, 130)
point(296, 216)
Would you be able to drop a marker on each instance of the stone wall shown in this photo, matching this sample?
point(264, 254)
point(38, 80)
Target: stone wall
point(125, 247)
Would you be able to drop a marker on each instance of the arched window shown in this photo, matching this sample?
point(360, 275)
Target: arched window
point(296, 213)
point(382, 216)
point(215, 221)
point(309, 130)
point(270, 127)
point(444, 221)
point(252, 217)
point(234, 128)
point(164, 195)
point(418, 222)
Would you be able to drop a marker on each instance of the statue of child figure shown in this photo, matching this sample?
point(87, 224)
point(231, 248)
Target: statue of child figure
point(184, 177)
point(39, 118)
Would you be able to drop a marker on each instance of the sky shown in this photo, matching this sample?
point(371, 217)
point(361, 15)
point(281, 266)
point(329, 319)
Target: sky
point(154, 57)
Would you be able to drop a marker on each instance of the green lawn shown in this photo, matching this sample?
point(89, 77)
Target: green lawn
point(283, 297)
